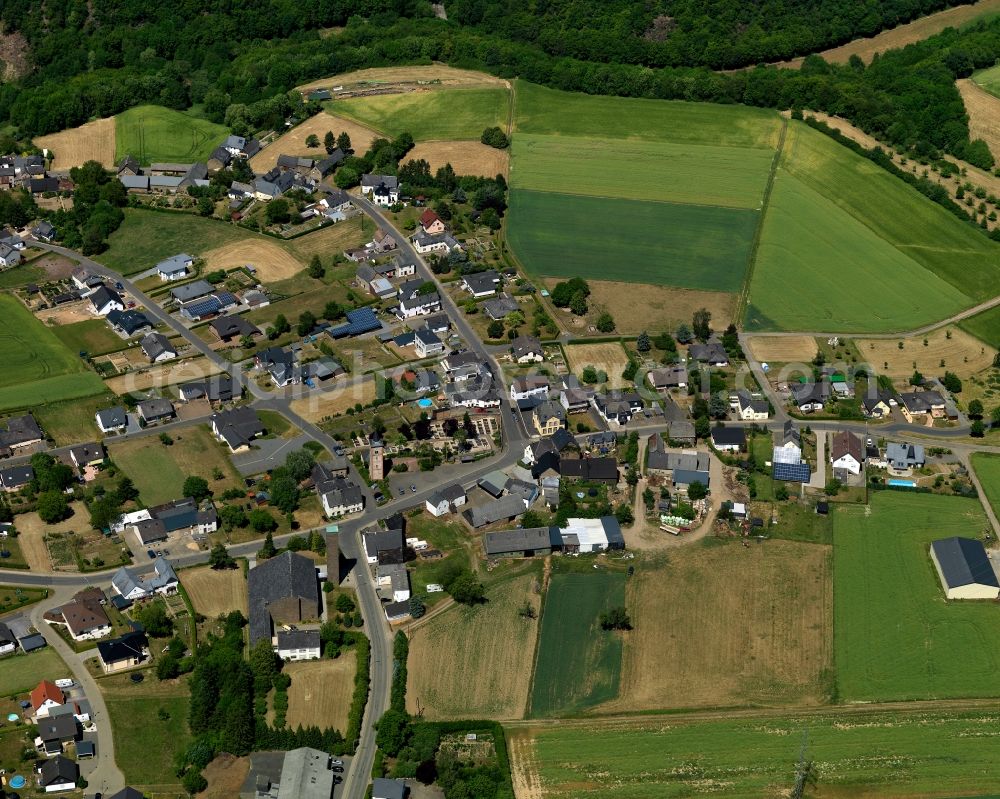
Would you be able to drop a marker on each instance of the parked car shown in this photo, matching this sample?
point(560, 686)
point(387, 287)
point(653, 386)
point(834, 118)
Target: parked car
point(152, 555)
point(413, 488)
point(338, 769)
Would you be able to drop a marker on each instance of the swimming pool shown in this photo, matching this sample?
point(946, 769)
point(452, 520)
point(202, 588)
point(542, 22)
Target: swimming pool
point(13, 717)
point(425, 403)
point(903, 483)
point(17, 782)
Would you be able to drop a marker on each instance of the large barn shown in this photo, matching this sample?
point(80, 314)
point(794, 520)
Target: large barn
point(964, 568)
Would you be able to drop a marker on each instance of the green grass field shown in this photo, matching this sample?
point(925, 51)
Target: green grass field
point(984, 326)
point(987, 468)
point(814, 256)
point(38, 368)
point(542, 110)
point(154, 133)
point(641, 170)
point(93, 336)
point(578, 664)
point(698, 247)
point(895, 636)
point(988, 79)
point(20, 673)
point(860, 755)
point(71, 421)
point(447, 114)
point(146, 237)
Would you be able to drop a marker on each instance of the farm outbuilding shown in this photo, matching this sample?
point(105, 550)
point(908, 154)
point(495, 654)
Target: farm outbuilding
point(964, 568)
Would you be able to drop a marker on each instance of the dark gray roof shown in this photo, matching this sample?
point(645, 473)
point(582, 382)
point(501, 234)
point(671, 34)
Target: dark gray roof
point(728, 436)
point(499, 509)
point(688, 476)
point(285, 575)
point(298, 639)
point(238, 426)
point(57, 728)
point(376, 541)
point(127, 792)
point(113, 417)
point(387, 789)
point(155, 344)
point(58, 770)
point(16, 476)
point(128, 646)
point(526, 538)
point(963, 561)
point(191, 291)
point(155, 408)
point(103, 296)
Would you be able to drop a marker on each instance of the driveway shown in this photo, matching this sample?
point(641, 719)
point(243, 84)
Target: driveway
point(267, 453)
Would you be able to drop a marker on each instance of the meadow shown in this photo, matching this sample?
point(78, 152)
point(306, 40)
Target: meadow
point(92, 336)
point(988, 79)
point(746, 627)
point(215, 591)
point(159, 471)
point(20, 673)
point(987, 466)
point(321, 690)
point(698, 247)
point(436, 114)
point(578, 665)
point(38, 368)
point(153, 133)
point(733, 177)
point(542, 110)
point(814, 255)
point(895, 636)
point(860, 753)
point(473, 662)
point(984, 326)
point(156, 235)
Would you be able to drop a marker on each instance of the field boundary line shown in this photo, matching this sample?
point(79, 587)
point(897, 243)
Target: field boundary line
point(538, 642)
point(642, 200)
point(744, 296)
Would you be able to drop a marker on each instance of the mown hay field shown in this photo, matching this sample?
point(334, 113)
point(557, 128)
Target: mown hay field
point(465, 157)
point(320, 693)
point(293, 142)
point(722, 626)
point(896, 637)
point(438, 74)
point(428, 114)
point(695, 247)
point(152, 133)
point(320, 404)
point(215, 591)
point(38, 367)
point(733, 177)
point(474, 662)
point(609, 358)
point(542, 110)
point(962, 353)
point(94, 141)
point(863, 754)
point(783, 349)
point(271, 261)
point(578, 664)
point(662, 307)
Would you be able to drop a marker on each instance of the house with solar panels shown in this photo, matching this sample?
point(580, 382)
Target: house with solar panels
point(786, 458)
point(212, 305)
point(360, 320)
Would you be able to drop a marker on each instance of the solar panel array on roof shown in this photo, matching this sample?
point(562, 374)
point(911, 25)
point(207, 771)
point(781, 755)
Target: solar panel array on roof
point(791, 472)
point(360, 320)
point(209, 305)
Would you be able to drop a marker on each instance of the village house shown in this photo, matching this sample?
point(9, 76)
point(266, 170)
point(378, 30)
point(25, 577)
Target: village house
point(129, 323)
point(526, 349)
point(424, 243)
point(668, 378)
point(431, 223)
point(14, 478)
point(57, 774)
point(728, 439)
point(419, 305)
point(712, 352)
point(228, 328)
point(922, 404)
point(498, 308)
point(750, 408)
point(528, 386)
point(84, 616)
point(157, 348)
point(154, 410)
point(381, 189)
point(426, 343)
point(446, 500)
point(133, 587)
point(810, 397)
point(83, 455)
point(548, 417)
point(112, 420)
point(481, 284)
point(125, 652)
point(9, 256)
point(237, 428)
point(903, 458)
point(846, 452)
point(617, 407)
point(175, 267)
point(44, 697)
point(104, 300)
point(282, 590)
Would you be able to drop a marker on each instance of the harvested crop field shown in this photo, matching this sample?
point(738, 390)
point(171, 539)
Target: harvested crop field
point(609, 358)
point(334, 239)
point(782, 349)
point(215, 591)
point(294, 141)
point(225, 776)
point(321, 404)
point(320, 693)
point(271, 261)
point(743, 627)
point(472, 662)
point(438, 73)
point(169, 374)
point(94, 141)
point(466, 157)
point(662, 307)
point(983, 109)
point(962, 354)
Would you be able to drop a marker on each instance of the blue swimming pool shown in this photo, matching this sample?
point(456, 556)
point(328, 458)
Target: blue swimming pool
point(17, 782)
point(425, 403)
point(903, 483)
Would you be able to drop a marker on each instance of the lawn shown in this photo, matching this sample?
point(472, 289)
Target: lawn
point(38, 368)
point(814, 257)
point(159, 471)
point(21, 673)
point(578, 664)
point(733, 177)
point(13, 598)
point(472, 662)
point(146, 237)
point(687, 246)
point(542, 110)
point(154, 133)
point(895, 636)
point(92, 336)
point(146, 744)
point(989, 79)
point(215, 591)
point(860, 754)
point(445, 114)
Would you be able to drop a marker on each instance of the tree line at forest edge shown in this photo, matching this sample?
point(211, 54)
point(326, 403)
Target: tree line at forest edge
point(906, 97)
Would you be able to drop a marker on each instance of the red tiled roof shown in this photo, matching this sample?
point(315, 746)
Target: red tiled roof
point(46, 690)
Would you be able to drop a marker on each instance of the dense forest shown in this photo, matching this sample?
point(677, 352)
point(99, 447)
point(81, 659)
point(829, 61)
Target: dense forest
point(906, 97)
